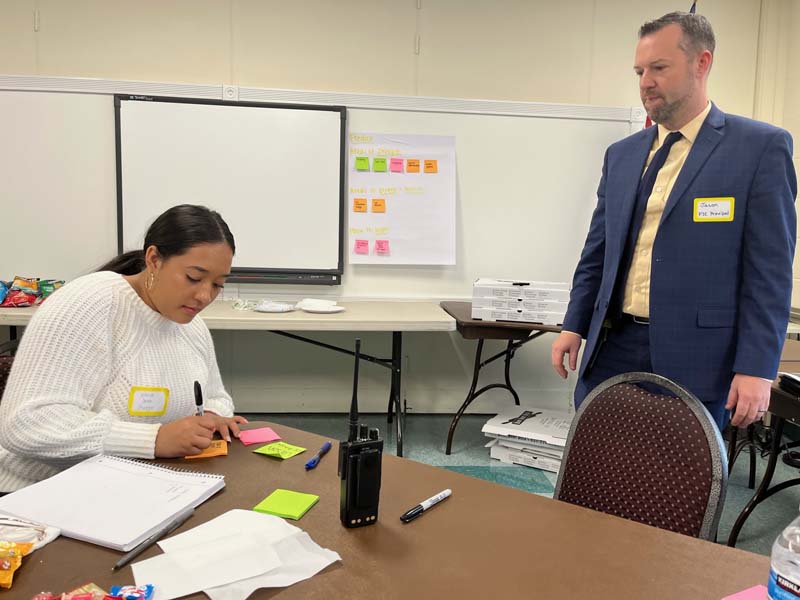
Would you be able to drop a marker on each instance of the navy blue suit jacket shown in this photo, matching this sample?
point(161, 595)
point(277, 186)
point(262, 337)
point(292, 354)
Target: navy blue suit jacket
point(720, 292)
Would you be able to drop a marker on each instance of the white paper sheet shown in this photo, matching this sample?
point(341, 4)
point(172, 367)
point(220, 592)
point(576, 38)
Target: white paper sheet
point(217, 562)
point(256, 535)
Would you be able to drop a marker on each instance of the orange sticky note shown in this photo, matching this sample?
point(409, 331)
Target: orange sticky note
point(396, 165)
point(412, 165)
point(382, 247)
point(217, 448)
point(361, 247)
point(379, 205)
point(359, 205)
point(431, 166)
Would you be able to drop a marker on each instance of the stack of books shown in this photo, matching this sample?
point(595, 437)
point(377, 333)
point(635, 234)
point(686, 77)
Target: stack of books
point(528, 436)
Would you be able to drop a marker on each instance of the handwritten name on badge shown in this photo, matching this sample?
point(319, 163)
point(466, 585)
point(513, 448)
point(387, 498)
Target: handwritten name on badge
point(713, 210)
point(147, 401)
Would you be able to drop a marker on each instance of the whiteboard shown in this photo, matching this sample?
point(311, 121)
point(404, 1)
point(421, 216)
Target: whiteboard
point(526, 180)
point(275, 173)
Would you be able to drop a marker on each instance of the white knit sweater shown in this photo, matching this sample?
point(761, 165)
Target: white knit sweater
point(85, 347)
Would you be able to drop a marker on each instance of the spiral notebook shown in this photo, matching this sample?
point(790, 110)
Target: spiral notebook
point(112, 501)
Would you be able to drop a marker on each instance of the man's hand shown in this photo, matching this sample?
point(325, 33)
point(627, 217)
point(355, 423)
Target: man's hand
point(750, 396)
point(566, 343)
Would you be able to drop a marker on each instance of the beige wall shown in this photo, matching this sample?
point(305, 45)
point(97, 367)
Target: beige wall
point(579, 51)
point(575, 51)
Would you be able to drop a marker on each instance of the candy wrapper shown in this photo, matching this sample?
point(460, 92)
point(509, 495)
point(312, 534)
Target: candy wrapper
point(133, 592)
point(3, 290)
point(11, 554)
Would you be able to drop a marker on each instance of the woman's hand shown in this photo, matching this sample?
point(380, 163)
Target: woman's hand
point(226, 425)
point(189, 435)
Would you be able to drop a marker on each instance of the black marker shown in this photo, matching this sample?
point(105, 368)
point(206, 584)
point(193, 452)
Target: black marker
point(198, 398)
point(420, 508)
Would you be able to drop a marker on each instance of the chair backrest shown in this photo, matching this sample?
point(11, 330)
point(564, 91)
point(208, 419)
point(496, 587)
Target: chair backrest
point(652, 457)
point(7, 350)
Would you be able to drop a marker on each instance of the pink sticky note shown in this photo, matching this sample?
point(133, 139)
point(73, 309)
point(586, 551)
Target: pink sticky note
point(382, 246)
point(258, 436)
point(758, 592)
point(362, 247)
point(396, 165)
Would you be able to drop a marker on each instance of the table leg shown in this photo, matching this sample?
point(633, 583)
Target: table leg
point(470, 396)
point(509, 356)
point(761, 492)
point(395, 391)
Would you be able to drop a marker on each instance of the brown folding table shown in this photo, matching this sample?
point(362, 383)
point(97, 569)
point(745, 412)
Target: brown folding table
point(486, 540)
point(515, 333)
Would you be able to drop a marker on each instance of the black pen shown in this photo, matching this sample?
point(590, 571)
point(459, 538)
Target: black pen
point(420, 508)
point(163, 532)
point(198, 398)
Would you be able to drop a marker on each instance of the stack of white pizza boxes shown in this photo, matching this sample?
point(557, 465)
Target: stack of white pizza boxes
point(528, 436)
point(542, 302)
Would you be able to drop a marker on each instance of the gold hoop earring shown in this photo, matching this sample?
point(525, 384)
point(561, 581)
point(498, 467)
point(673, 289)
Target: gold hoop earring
point(151, 278)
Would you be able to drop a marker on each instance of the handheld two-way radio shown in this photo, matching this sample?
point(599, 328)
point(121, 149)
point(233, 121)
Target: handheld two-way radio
point(359, 466)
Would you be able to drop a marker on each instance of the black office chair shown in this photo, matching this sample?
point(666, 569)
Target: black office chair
point(7, 351)
point(655, 458)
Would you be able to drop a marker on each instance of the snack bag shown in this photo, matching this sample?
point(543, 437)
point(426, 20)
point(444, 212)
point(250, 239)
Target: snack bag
point(47, 287)
point(18, 299)
point(29, 285)
point(3, 290)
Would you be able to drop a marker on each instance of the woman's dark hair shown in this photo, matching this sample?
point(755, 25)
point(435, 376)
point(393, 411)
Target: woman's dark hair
point(174, 233)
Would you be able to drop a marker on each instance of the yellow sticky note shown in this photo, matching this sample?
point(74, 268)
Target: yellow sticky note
point(359, 205)
point(379, 205)
point(286, 504)
point(280, 450)
point(412, 165)
point(431, 166)
point(362, 163)
point(217, 448)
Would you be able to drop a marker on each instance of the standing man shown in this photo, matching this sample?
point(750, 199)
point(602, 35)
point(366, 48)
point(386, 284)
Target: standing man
point(687, 267)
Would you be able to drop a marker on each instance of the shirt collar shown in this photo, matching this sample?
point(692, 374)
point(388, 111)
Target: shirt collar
point(690, 130)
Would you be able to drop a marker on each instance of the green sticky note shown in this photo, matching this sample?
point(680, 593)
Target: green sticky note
point(362, 163)
point(286, 504)
point(280, 450)
point(379, 165)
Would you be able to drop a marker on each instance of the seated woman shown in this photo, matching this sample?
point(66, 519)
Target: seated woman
point(107, 364)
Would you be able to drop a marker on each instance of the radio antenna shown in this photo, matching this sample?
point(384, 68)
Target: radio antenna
point(354, 402)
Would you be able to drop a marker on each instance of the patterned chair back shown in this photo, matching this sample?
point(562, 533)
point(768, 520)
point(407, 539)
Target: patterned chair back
point(655, 458)
point(7, 350)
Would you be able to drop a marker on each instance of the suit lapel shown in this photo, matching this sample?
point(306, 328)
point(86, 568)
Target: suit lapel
point(708, 138)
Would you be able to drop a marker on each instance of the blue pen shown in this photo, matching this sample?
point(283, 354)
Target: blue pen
point(318, 456)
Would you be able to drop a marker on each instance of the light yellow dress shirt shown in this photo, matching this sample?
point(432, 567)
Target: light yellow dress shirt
point(636, 296)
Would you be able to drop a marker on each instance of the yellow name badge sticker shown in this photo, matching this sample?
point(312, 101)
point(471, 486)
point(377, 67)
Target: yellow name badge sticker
point(713, 210)
point(148, 401)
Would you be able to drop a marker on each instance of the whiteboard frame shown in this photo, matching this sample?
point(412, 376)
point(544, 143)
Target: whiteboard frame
point(248, 274)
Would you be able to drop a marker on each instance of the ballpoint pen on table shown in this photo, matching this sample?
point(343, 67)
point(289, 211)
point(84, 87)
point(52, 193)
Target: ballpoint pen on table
point(179, 520)
point(318, 456)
